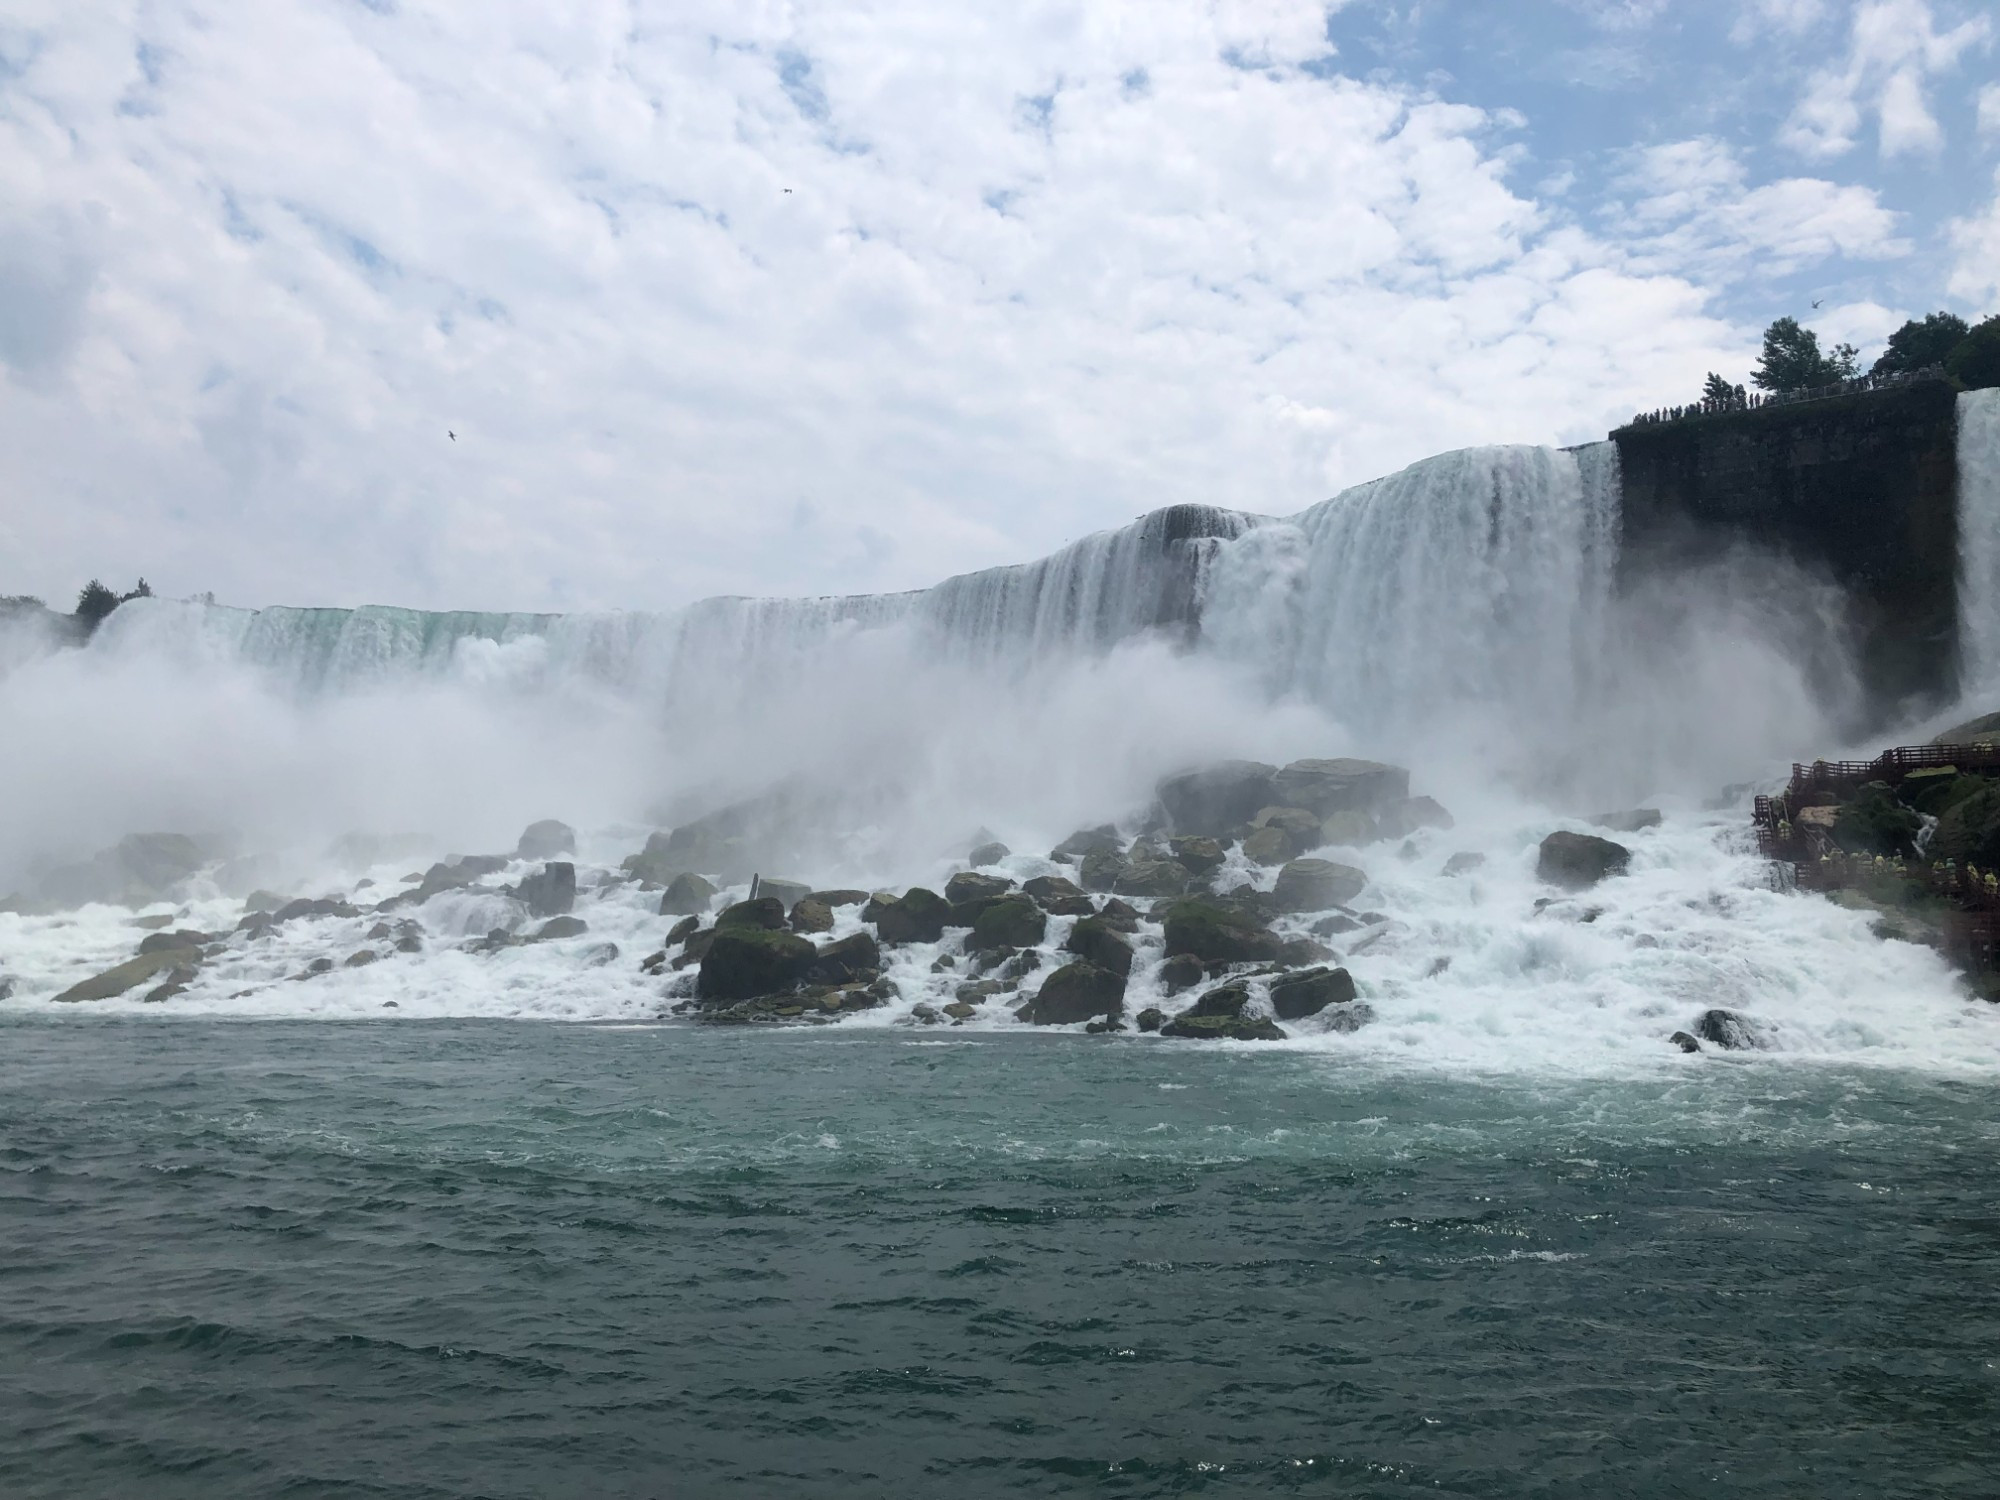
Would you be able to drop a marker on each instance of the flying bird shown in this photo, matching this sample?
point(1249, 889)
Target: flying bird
point(788, 190)
point(1816, 304)
point(450, 434)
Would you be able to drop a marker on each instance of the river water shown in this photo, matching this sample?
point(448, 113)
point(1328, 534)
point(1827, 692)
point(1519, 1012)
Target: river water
point(450, 1258)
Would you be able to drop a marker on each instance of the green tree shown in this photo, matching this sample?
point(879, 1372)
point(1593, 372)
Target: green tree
point(94, 603)
point(1919, 345)
point(1792, 360)
point(1718, 390)
point(1975, 363)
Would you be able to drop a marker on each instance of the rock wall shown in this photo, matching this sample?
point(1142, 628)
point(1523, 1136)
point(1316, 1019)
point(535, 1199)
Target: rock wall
point(1860, 489)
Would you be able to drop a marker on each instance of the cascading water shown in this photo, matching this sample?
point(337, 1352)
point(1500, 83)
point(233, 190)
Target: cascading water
point(1979, 540)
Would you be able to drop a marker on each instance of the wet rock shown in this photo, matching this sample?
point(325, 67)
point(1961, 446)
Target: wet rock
point(767, 912)
point(1019, 967)
point(746, 961)
point(1198, 854)
point(1182, 972)
point(1336, 924)
point(1401, 819)
point(1059, 897)
point(1150, 873)
point(917, 916)
point(1224, 1000)
point(958, 1010)
point(1636, 821)
point(840, 898)
point(293, 911)
point(1299, 952)
point(1351, 829)
point(446, 875)
point(266, 901)
point(140, 869)
point(1297, 996)
point(598, 955)
point(178, 980)
point(1102, 870)
point(812, 915)
point(944, 963)
point(1300, 827)
point(1119, 916)
point(969, 885)
point(1576, 861)
point(561, 927)
point(695, 949)
point(325, 965)
point(1464, 862)
point(1340, 785)
point(545, 840)
point(1683, 1041)
point(687, 895)
point(409, 943)
point(1317, 885)
point(682, 930)
point(167, 942)
point(1733, 1031)
point(1216, 934)
point(1150, 1019)
point(653, 963)
point(1077, 992)
point(1094, 942)
point(1087, 841)
point(1013, 921)
point(925, 1015)
point(1873, 821)
point(550, 892)
point(1212, 801)
point(1267, 846)
point(1100, 1028)
point(1223, 1029)
point(129, 975)
point(361, 958)
point(988, 854)
point(855, 959)
point(979, 990)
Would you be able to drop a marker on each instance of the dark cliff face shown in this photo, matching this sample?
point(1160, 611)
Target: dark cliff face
point(1861, 489)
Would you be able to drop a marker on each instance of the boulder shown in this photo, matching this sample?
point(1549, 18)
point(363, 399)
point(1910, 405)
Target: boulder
point(293, 911)
point(1182, 972)
point(687, 895)
point(1334, 925)
point(988, 854)
point(967, 885)
point(129, 975)
point(1077, 992)
point(167, 942)
point(1351, 829)
point(695, 948)
point(1636, 820)
point(1011, 922)
point(838, 899)
point(1685, 1042)
point(545, 840)
point(1223, 1029)
point(684, 929)
point(1464, 862)
point(917, 916)
point(1317, 885)
point(812, 915)
point(1224, 1000)
point(767, 912)
point(1215, 800)
point(1217, 935)
point(747, 961)
point(1267, 846)
point(1095, 942)
point(1150, 872)
point(958, 1010)
point(1576, 861)
point(551, 892)
point(263, 901)
point(855, 959)
point(1343, 785)
point(1150, 1019)
point(1732, 1031)
point(788, 893)
point(1059, 897)
point(1102, 870)
point(1087, 841)
point(1298, 825)
point(561, 927)
point(1301, 952)
point(140, 869)
point(1119, 916)
point(1297, 996)
point(1198, 854)
point(1401, 819)
point(1872, 821)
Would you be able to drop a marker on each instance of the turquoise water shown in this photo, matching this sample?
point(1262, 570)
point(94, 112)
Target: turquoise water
point(437, 1259)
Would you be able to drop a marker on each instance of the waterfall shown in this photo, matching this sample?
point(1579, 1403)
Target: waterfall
point(1979, 541)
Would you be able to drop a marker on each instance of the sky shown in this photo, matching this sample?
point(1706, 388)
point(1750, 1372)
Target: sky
point(789, 297)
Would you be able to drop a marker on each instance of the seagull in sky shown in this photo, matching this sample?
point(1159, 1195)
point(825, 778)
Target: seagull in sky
point(450, 434)
point(1816, 305)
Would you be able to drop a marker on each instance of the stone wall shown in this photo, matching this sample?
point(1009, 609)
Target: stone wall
point(1860, 489)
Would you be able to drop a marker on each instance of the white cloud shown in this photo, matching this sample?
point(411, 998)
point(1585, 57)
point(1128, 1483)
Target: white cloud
point(1793, 17)
point(1041, 267)
point(1693, 210)
point(1976, 238)
point(1894, 50)
point(1989, 110)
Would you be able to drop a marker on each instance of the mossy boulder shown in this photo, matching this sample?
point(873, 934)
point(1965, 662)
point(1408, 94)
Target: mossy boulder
point(743, 962)
point(1101, 870)
point(1317, 885)
point(1076, 992)
point(1085, 842)
point(1218, 935)
point(1092, 940)
point(1224, 1000)
point(1215, 799)
point(1011, 922)
point(1267, 846)
point(855, 959)
point(1872, 821)
point(1197, 854)
point(1968, 831)
point(970, 885)
point(1059, 897)
point(1300, 995)
point(811, 915)
point(1181, 972)
point(1150, 873)
point(129, 975)
point(767, 912)
point(1933, 791)
point(687, 896)
point(917, 916)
